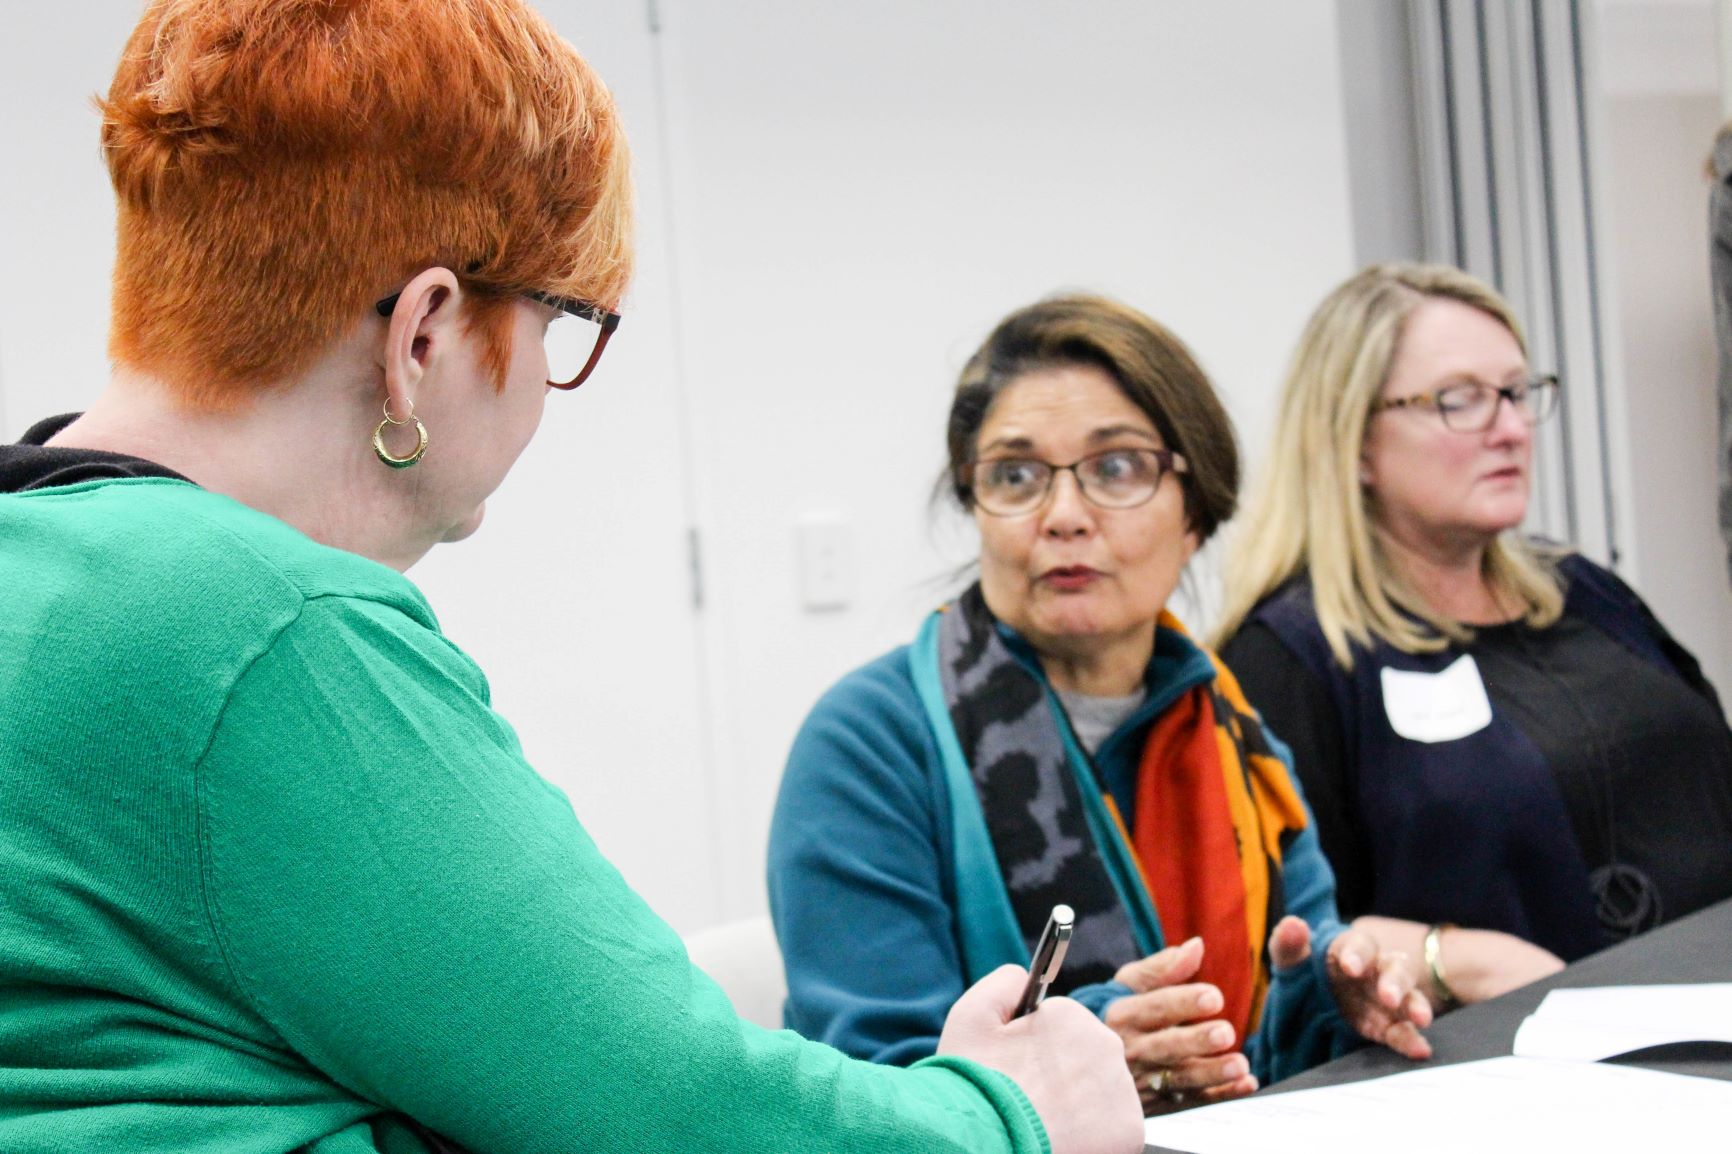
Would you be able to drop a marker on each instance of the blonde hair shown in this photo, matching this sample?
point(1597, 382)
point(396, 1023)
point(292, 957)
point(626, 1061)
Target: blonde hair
point(1308, 510)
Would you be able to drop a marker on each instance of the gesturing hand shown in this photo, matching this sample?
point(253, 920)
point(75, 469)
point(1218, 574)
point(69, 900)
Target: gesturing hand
point(1176, 1055)
point(1373, 986)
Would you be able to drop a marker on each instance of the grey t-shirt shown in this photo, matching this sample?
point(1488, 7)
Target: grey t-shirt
point(1093, 718)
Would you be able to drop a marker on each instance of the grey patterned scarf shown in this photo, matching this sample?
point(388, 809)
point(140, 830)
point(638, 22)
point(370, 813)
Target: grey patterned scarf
point(1009, 733)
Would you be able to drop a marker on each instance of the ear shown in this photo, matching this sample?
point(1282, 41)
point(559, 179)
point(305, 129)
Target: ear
point(1363, 466)
point(418, 330)
point(1192, 544)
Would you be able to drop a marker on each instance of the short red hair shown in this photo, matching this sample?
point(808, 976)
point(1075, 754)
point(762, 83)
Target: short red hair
point(281, 164)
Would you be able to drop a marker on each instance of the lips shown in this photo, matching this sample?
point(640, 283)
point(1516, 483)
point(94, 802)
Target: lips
point(1070, 576)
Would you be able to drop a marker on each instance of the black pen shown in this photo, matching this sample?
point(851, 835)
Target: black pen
point(1048, 957)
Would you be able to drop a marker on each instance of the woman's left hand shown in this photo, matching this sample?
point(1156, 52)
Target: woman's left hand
point(1373, 986)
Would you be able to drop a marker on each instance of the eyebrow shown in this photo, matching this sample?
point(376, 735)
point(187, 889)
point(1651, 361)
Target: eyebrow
point(1022, 444)
point(1468, 377)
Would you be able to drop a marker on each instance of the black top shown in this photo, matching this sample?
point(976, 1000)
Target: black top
point(1642, 759)
point(34, 464)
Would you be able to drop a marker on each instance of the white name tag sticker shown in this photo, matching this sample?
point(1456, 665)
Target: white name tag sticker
point(1434, 707)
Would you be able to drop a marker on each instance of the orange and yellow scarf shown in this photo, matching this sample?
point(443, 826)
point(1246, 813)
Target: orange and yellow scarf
point(1215, 810)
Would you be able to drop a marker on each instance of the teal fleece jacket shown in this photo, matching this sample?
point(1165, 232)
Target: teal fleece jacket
point(872, 908)
point(275, 877)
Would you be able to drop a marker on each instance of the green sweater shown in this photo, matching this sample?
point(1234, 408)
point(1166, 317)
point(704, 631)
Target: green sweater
point(273, 875)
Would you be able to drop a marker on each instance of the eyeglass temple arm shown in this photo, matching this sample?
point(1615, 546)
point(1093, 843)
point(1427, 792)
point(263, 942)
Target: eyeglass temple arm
point(594, 357)
point(607, 319)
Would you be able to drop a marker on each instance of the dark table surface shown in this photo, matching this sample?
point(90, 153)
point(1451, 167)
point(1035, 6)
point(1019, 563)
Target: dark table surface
point(1693, 949)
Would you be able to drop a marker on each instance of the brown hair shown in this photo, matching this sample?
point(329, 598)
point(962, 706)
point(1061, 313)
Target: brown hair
point(1153, 368)
point(281, 164)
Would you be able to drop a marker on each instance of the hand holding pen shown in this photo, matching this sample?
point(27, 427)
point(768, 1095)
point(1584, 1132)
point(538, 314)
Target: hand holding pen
point(1070, 1066)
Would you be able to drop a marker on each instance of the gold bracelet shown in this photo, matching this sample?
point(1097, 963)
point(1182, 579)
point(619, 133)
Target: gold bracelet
point(1446, 998)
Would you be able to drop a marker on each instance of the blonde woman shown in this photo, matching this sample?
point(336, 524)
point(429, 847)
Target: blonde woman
point(1490, 735)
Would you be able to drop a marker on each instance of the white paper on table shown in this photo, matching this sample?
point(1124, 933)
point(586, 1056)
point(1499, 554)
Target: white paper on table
point(1494, 1105)
point(1432, 707)
point(1605, 1021)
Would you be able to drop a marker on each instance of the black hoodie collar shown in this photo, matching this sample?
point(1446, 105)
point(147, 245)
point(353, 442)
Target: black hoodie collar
point(34, 464)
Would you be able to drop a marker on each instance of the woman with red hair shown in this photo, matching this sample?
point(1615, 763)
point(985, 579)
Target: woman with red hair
point(273, 876)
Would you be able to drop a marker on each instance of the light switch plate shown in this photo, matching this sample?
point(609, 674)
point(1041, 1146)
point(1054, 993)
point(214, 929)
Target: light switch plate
point(824, 548)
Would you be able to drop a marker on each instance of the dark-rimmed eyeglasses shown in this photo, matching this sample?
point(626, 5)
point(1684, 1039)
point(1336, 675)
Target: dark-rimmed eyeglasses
point(1471, 407)
point(1114, 479)
point(575, 337)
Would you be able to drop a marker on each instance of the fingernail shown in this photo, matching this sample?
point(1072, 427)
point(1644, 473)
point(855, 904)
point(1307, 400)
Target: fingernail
point(1209, 1002)
point(1237, 1067)
point(1220, 1035)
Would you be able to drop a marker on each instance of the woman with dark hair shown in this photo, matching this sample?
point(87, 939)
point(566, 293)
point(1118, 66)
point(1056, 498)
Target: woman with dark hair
point(273, 875)
point(1054, 735)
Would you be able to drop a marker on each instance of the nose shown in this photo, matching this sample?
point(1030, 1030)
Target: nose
point(1067, 513)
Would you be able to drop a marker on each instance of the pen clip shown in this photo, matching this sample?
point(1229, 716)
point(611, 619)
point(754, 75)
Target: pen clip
point(1060, 944)
point(1048, 956)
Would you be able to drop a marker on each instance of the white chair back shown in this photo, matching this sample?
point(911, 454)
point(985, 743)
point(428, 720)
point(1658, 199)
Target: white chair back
point(745, 961)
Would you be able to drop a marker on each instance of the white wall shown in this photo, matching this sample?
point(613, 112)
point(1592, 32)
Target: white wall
point(1660, 107)
point(56, 212)
point(843, 201)
point(864, 189)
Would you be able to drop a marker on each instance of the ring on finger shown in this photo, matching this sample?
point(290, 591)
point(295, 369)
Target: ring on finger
point(1161, 1085)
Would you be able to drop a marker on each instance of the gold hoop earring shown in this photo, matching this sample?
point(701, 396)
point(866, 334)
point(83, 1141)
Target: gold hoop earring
point(379, 438)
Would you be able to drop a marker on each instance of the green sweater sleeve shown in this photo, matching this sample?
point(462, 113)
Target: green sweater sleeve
point(422, 919)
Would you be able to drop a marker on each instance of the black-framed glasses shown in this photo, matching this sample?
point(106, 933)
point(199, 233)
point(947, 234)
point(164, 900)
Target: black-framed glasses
point(575, 337)
point(1471, 407)
point(1114, 479)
